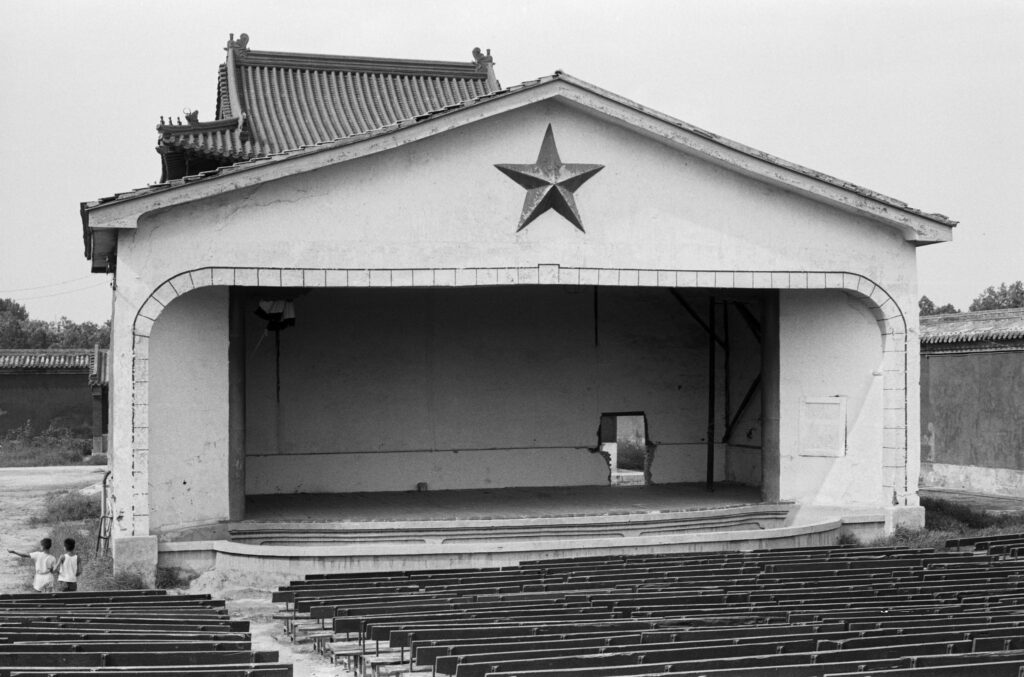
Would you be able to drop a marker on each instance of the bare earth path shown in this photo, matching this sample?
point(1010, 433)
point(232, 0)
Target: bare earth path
point(248, 598)
point(22, 491)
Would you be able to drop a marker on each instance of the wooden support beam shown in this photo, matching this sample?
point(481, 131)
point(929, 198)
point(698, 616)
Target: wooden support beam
point(743, 407)
point(712, 339)
point(697, 318)
point(752, 322)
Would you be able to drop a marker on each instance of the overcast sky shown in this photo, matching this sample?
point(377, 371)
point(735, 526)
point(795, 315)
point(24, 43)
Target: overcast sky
point(922, 100)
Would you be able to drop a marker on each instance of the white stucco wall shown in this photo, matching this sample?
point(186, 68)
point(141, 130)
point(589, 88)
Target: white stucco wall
point(830, 347)
point(439, 205)
point(188, 371)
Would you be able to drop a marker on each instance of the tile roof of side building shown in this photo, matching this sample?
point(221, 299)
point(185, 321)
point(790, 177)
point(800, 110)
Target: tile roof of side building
point(975, 331)
point(92, 361)
point(271, 102)
point(46, 359)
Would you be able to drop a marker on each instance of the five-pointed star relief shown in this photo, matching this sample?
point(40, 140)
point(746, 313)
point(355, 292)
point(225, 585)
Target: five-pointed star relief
point(550, 184)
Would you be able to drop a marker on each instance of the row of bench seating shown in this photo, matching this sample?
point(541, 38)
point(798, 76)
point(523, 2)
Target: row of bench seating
point(798, 611)
point(129, 633)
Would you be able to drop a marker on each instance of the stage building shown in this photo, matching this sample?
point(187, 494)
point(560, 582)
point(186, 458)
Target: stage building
point(385, 285)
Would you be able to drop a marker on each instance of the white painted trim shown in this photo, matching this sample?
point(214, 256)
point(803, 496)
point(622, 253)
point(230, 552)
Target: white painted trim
point(891, 322)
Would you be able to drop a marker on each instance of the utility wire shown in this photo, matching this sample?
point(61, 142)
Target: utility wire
point(60, 293)
point(45, 286)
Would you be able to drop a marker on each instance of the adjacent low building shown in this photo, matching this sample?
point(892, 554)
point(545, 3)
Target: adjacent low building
point(972, 390)
point(65, 388)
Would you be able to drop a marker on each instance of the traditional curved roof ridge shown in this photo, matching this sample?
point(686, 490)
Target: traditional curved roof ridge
point(47, 359)
point(299, 61)
point(918, 225)
point(281, 101)
point(1002, 324)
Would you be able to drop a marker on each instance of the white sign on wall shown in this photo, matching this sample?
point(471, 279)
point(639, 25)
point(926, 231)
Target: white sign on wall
point(823, 426)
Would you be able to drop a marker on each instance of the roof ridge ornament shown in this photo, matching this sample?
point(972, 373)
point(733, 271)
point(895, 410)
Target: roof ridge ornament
point(243, 127)
point(485, 64)
point(241, 43)
point(483, 61)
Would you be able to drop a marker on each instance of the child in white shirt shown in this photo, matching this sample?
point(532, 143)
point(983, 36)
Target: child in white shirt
point(45, 564)
point(68, 568)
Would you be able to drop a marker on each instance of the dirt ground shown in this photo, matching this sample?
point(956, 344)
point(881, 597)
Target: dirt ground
point(248, 598)
point(22, 491)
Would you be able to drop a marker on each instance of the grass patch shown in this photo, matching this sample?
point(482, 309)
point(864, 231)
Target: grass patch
point(169, 578)
point(945, 520)
point(55, 445)
point(72, 514)
point(67, 506)
point(26, 455)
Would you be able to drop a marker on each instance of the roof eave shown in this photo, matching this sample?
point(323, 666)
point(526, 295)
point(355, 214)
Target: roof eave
point(916, 226)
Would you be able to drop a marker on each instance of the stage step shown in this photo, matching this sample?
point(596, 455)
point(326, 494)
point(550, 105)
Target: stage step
point(570, 527)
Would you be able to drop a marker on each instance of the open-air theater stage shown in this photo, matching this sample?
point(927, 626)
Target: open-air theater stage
point(381, 313)
point(392, 531)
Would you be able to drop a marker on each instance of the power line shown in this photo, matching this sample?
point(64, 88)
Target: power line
point(45, 286)
point(60, 293)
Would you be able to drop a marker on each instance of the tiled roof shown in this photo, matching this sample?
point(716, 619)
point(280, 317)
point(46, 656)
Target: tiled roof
point(99, 367)
point(74, 360)
point(530, 84)
point(982, 328)
point(270, 102)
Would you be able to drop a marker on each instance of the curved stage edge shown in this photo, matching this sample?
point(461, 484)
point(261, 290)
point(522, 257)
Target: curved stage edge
point(802, 528)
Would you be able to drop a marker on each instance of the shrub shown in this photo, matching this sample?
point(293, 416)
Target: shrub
point(67, 506)
point(57, 444)
point(173, 577)
point(96, 459)
point(22, 434)
point(127, 580)
point(953, 516)
point(631, 454)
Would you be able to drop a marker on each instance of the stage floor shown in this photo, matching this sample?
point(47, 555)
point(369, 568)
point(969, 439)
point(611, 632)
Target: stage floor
point(531, 502)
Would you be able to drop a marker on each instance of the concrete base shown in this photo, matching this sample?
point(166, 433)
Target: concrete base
point(371, 557)
point(973, 479)
point(904, 517)
point(229, 556)
point(136, 555)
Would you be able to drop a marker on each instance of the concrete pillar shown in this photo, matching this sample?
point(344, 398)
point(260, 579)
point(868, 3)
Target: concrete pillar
point(770, 452)
point(97, 419)
point(136, 555)
point(236, 405)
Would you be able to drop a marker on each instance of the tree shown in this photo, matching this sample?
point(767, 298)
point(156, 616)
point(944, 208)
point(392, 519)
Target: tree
point(927, 307)
point(15, 309)
point(1003, 296)
point(18, 330)
point(68, 334)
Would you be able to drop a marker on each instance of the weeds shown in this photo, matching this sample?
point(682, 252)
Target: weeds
point(945, 520)
point(67, 506)
point(168, 578)
point(24, 446)
point(72, 514)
